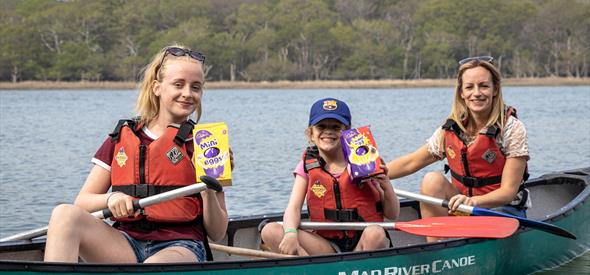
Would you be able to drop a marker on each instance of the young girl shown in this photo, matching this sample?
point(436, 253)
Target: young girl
point(141, 158)
point(323, 177)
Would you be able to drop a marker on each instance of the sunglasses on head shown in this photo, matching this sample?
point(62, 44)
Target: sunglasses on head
point(178, 52)
point(485, 58)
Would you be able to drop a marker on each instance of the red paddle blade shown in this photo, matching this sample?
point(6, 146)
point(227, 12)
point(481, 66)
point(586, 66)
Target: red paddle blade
point(461, 227)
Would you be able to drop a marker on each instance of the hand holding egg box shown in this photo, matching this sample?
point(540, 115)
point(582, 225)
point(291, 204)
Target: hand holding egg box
point(360, 150)
point(211, 156)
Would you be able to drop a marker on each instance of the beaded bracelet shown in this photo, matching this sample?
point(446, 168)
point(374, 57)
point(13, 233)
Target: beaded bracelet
point(290, 230)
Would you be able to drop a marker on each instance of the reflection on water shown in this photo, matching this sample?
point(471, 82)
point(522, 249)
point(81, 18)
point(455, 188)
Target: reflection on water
point(47, 138)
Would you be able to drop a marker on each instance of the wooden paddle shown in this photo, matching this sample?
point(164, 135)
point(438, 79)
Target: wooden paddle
point(252, 253)
point(208, 182)
point(441, 227)
point(477, 211)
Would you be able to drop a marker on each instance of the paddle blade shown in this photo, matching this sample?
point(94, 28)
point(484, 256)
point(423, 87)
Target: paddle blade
point(460, 227)
point(547, 227)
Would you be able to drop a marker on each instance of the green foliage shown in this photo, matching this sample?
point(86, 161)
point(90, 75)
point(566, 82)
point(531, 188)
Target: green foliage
point(293, 39)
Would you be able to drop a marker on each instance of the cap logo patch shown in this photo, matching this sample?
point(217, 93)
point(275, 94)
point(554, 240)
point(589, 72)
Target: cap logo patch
point(174, 155)
point(330, 105)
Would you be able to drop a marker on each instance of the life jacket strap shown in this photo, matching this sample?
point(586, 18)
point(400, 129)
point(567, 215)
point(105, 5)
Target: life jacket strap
point(451, 125)
point(143, 190)
point(492, 131)
point(341, 215)
point(313, 159)
point(448, 124)
point(144, 225)
point(185, 129)
point(312, 165)
point(474, 182)
point(116, 134)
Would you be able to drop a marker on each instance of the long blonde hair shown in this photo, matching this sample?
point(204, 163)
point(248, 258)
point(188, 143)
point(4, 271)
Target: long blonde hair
point(147, 105)
point(459, 110)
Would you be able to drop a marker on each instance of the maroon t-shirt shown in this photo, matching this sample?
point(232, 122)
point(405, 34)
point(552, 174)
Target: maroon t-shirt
point(192, 231)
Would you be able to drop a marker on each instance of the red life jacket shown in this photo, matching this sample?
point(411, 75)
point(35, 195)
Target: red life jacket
point(142, 171)
point(477, 169)
point(338, 200)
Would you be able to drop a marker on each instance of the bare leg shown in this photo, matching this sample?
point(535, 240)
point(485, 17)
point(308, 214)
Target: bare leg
point(272, 235)
point(436, 185)
point(74, 233)
point(309, 243)
point(373, 237)
point(173, 254)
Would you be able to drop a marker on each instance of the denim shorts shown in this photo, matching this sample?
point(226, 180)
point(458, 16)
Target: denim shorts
point(145, 249)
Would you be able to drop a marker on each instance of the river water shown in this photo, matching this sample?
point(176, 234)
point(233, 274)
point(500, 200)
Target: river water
point(47, 139)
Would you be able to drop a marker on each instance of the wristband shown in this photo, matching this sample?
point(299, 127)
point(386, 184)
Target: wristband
point(290, 230)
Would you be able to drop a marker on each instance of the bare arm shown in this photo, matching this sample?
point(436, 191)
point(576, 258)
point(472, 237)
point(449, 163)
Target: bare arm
point(390, 200)
point(93, 196)
point(290, 242)
point(388, 197)
point(410, 163)
point(292, 215)
point(214, 214)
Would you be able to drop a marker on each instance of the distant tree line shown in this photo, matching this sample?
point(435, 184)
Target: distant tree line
point(253, 40)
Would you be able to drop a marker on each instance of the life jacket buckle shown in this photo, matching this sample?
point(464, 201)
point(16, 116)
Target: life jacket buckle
point(470, 182)
point(343, 215)
point(139, 191)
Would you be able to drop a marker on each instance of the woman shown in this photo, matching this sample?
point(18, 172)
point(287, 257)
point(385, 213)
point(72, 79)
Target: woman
point(484, 143)
point(322, 177)
point(137, 154)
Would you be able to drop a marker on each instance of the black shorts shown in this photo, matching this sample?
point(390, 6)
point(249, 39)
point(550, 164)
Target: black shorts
point(348, 244)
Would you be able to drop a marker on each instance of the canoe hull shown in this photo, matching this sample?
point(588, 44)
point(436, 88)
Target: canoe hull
point(525, 252)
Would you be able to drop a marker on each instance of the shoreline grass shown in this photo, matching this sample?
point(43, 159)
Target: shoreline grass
point(323, 84)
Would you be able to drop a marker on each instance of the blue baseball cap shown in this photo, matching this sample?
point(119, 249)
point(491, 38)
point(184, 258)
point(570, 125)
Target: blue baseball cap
point(329, 108)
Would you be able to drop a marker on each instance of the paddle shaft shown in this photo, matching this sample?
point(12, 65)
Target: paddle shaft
point(345, 225)
point(477, 211)
point(106, 213)
point(247, 252)
point(432, 200)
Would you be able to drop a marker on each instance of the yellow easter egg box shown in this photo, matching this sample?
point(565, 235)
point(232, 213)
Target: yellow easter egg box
point(211, 156)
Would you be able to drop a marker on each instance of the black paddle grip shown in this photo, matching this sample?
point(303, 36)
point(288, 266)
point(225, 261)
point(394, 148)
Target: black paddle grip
point(211, 183)
point(106, 213)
